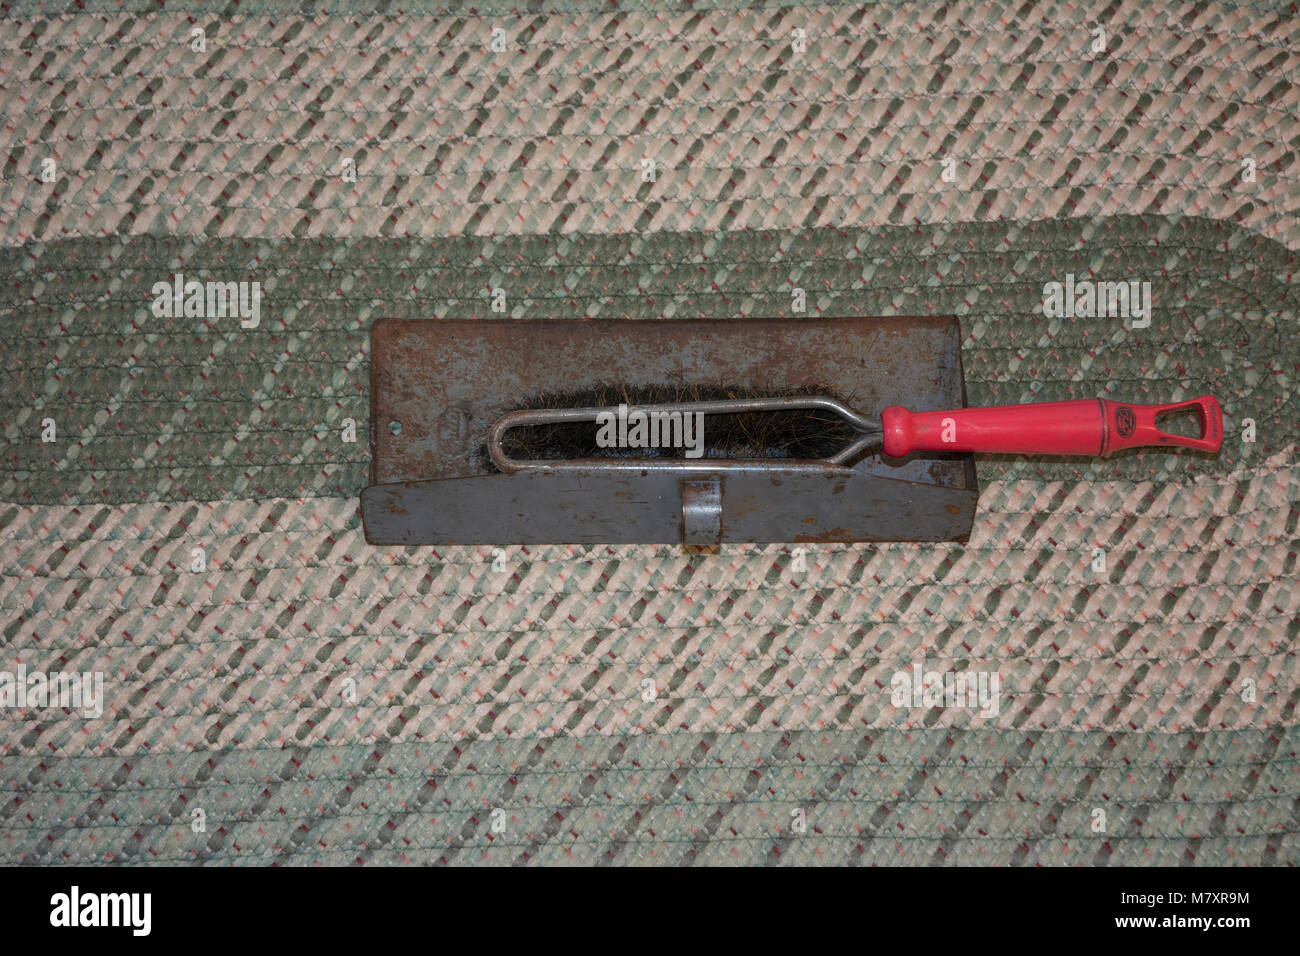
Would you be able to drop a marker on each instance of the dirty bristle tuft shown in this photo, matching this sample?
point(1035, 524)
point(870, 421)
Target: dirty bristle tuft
point(794, 433)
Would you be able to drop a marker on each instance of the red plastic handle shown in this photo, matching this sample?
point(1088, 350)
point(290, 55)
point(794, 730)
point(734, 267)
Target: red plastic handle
point(1090, 426)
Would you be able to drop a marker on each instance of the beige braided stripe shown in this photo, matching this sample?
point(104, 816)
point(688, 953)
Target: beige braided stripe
point(254, 651)
point(248, 138)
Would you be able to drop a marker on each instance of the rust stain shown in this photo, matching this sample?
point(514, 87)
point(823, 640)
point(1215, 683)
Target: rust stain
point(833, 536)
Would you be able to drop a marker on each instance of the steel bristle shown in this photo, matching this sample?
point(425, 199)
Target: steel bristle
point(783, 434)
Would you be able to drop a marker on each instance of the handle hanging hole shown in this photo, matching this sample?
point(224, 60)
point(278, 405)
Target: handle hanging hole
point(1186, 422)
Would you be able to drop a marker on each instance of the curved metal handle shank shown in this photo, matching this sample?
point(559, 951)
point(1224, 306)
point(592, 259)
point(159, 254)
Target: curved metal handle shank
point(870, 430)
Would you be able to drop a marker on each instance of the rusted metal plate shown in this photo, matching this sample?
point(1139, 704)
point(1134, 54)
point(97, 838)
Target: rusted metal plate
point(437, 386)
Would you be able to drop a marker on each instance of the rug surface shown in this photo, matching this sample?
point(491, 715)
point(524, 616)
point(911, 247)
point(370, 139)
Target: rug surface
point(178, 492)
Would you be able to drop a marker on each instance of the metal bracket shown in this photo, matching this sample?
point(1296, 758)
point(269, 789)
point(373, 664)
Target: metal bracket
point(702, 512)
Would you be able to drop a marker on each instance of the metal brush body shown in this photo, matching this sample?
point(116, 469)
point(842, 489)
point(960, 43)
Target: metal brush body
point(489, 433)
